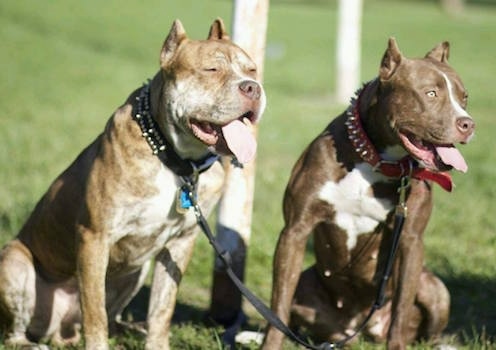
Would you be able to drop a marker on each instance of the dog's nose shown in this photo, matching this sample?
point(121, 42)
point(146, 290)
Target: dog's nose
point(250, 89)
point(465, 126)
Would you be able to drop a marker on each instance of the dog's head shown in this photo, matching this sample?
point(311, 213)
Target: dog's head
point(210, 94)
point(425, 103)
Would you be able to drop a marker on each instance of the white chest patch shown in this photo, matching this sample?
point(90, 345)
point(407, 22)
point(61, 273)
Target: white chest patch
point(357, 210)
point(150, 217)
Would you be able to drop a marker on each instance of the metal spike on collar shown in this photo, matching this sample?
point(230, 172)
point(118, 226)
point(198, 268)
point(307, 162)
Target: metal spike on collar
point(356, 135)
point(146, 123)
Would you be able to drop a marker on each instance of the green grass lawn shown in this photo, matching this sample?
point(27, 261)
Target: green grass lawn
point(66, 65)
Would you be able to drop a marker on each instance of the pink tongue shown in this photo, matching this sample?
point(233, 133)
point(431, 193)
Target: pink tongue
point(240, 141)
point(451, 156)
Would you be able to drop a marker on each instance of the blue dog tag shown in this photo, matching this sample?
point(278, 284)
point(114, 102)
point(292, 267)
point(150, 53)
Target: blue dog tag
point(183, 202)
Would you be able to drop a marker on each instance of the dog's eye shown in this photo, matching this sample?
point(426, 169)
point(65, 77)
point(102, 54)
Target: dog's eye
point(210, 69)
point(250, 69)
point(431, 93)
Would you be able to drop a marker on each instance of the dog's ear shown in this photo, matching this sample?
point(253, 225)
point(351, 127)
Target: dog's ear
point(218, 31)
point(176, 35)
point(440, 52)
point(391, 60)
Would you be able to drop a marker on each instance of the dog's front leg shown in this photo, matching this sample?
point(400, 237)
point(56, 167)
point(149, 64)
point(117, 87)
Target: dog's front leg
point(288, 260)
point(92, 259)
point(170, 265)
point(410, 260)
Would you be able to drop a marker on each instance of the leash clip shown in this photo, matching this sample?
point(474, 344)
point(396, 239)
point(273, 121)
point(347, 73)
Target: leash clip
point(186, 196)
point(401, 208)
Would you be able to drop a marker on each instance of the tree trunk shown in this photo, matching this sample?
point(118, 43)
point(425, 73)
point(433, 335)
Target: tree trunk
point(348, 49)
point(454, 7)
point(235, 208)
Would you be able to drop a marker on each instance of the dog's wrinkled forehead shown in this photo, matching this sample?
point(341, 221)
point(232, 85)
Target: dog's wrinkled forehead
point(433, 71)
point(217, 56)
point(428, 76)
point(213, 60)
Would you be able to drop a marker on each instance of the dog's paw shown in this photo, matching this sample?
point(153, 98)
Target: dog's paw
point(21, 343)
point(247, 337)
point(445, 347)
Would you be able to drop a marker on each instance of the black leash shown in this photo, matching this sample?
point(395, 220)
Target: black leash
point(225, 257)
point(189, 189)
point(189, 172)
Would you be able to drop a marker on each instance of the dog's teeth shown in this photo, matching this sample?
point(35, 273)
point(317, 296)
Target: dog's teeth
point(248, 124)
point(418, 141)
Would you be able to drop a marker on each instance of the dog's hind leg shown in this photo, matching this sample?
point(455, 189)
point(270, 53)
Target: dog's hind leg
point(120, 291)
point(314, 310)
point(433, 298)
point(17, 292)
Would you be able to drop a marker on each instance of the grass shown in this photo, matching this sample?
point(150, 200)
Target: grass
point(67, 65)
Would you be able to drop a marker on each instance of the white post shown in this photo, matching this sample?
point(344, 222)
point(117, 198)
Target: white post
point(348, 49)
point(453, 7)
point(249, 30)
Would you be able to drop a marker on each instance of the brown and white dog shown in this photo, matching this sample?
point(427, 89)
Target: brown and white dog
point(87, 246)
point(344, 189)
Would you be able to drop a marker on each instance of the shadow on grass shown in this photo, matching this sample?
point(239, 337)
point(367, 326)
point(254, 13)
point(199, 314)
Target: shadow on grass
point(191, 328)
point(472, 319)
point(473, 309)
point(137, 309)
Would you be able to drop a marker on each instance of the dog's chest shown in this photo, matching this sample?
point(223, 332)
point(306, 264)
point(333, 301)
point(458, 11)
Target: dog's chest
point(140, 227)
point(357, 210)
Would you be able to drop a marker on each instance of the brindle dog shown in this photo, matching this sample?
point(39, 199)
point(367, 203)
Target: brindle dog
point(87, 246)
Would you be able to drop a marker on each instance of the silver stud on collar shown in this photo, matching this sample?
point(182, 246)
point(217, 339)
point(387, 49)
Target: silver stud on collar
point(356, 134)
point(146, 123)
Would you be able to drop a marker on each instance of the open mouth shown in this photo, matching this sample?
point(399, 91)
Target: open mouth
point(235, 137)
point(440, 157)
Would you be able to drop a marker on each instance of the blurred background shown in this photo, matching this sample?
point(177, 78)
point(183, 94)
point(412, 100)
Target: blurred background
point(66, 65)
